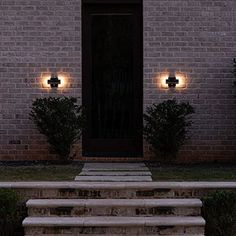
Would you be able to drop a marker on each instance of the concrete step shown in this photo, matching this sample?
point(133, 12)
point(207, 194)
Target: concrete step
point(102, 165)
point(115, 173)
point(114, 226)
point(114, 207)
point(122, 234)
point(115, 167)
point(116, 190)
point(113, 178)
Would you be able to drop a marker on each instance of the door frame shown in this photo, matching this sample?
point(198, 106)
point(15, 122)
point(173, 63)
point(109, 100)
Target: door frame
point(87, 55)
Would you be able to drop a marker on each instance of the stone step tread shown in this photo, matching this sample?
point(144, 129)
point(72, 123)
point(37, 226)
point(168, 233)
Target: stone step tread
point(117, 185)
point(114, 202)
point(101, 165)
point(113, 221)
point(122, 234)
point(116, 169)
point(113, 178)
point(115, 173)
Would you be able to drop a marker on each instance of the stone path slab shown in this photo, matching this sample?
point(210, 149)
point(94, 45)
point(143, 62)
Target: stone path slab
point(144, 169)
point(114, 172)
point(118, 168)
point(113, 178)
point(108, 165)
point(115, 167)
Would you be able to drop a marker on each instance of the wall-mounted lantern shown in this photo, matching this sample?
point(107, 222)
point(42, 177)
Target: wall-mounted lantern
point(54, 81)
point(172, 81)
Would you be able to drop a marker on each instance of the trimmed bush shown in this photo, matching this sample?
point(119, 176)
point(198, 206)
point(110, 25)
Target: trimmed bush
point(234, 69)
point(60, 120)
point(11, 213)
point(165, 127)
point(219, 211)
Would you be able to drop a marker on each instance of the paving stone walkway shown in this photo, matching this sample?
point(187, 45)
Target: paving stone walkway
point(114, 172)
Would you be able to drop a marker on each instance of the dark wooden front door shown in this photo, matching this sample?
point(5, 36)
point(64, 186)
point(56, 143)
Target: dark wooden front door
point(112, 78)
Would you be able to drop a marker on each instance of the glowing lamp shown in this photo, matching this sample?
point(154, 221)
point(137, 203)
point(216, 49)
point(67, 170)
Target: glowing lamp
point(172, 81)
point(54, 81)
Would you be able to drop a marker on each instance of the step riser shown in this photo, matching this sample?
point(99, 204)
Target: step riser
point(116, 231)
point(114, 211)
point(71, 193)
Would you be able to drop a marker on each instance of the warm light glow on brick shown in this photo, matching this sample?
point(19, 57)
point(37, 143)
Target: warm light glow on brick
point(163, 77)
point(44, 79)
point(63, 77)
point(182, 80)
point(179, 76)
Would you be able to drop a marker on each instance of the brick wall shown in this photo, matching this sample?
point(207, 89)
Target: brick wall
point(195, 38)
point(36, 37)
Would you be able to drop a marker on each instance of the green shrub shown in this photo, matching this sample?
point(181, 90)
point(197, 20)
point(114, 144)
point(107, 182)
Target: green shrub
point(11, 213)
point(165, 127)
point(60, 120)
point(219, 211)
point(234, 70)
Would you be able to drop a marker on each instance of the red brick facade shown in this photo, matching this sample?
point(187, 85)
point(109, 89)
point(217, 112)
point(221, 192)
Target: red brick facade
point(193, 38)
